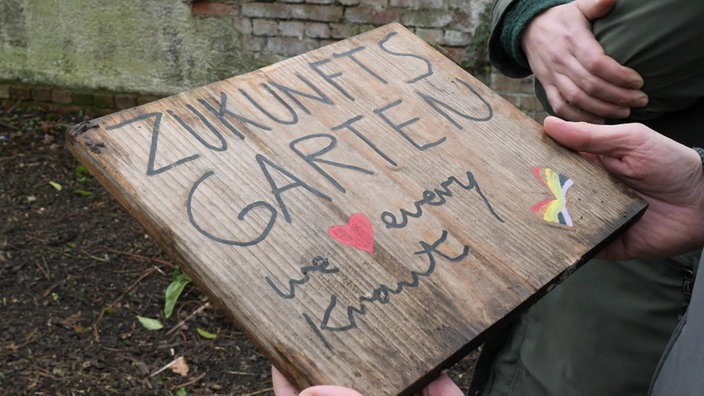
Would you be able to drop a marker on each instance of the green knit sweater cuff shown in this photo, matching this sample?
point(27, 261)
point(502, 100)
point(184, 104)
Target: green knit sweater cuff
point(517, 18)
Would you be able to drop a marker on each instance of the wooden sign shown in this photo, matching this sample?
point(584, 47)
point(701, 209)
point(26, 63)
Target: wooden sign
point(366, 213)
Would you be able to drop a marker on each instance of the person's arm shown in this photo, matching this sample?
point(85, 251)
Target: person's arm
point(509, 18)
point(443, 386)
point(665, 173)
point(580, 81)
point(553, 40)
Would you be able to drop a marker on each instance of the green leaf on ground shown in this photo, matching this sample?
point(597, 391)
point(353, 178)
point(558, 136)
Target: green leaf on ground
point(178, 283)
point(205, 334)
point(82, 174)
point(149, 323)
point(56, 185)
point(83, 193)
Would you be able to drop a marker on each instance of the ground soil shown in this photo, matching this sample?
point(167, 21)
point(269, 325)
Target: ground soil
point(75, 272)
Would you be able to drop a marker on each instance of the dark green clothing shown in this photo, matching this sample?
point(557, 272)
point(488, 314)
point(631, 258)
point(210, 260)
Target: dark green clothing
point(603, 330)
point(679, 371)
point(659, 39)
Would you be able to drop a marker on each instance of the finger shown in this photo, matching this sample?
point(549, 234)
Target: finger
point(565, 110)
point(329, 390)
point(598, 104)
point(281, 385)
point(589, 52)
point(593, 9)
point(442, 386)
point(599, 65)
point(585, 137)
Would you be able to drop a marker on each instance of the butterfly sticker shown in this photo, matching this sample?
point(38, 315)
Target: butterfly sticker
point(554, 210)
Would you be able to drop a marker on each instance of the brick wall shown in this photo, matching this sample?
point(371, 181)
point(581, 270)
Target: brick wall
point(70, 100)
point(519, 91)
point(278, 29)
point(281, 29)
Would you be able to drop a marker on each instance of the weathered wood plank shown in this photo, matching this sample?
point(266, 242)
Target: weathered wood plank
point(366, 213)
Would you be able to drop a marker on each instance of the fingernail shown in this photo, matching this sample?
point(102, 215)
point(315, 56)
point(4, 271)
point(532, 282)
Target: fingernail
point(642, 101)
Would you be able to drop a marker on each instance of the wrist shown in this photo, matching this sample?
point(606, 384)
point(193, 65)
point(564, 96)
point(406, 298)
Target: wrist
point(516, 20)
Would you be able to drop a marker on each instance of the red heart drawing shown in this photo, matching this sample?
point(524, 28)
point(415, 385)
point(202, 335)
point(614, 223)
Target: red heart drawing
point(357, 233)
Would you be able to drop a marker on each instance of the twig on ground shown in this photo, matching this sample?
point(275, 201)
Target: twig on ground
point(143, 258)
point(134, 284)
point(259, 392)
point(181, 323)
point(191, 382)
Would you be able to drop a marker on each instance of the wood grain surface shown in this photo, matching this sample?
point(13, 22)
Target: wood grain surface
point(367, 213)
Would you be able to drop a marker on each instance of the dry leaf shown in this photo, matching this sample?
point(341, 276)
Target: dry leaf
point(179, 366)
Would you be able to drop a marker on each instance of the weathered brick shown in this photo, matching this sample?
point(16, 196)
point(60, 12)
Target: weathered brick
point(214, 8)
point(427, 18)
point(456, 38)
point(254, 44)
point(125, 101)
point(323, 43)
point(464, 5)
point(348, 2)
point(317, 30)
point(41, 94)
point(291, 29)
point(61, 96)
point(318, 13)
point(513, 99)
point(82, 98)
point(288, 47)
point(62, 108)
point(104, 100)
point(371, 15)
point(319, 1)
point(266, 10)
point(502, 83)
point(19, 91)
point(294, 1)
point(243, 25)
point(4, 91)
point(404, 3)
point(431, 4)
point(456, 54)
point(264, 27)
point(144, 99)
point(530, 103)
point(461, 22)
point(345, 30)
point(432, 36)
point(312, 12)
point(374, 3)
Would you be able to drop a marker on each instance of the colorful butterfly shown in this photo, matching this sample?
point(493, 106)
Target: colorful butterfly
point(554, 209)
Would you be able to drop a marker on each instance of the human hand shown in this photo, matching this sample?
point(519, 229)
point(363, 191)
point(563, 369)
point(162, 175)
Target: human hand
point(665, 173)
point(581, 82)
point(443, 386)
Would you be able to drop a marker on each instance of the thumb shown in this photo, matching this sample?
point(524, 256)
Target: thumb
point(593, 9)
point(329, 390)
point(442, 386)
point(610, 140)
